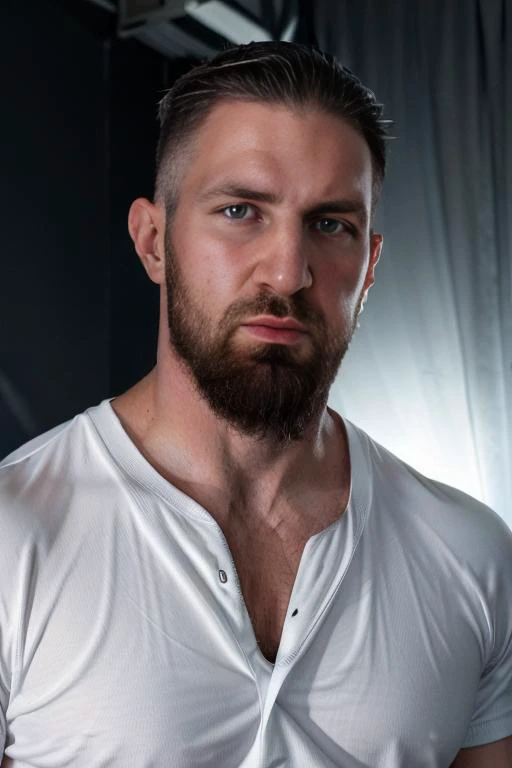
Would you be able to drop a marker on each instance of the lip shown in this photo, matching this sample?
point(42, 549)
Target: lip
point(278, 323)
point(275, 330)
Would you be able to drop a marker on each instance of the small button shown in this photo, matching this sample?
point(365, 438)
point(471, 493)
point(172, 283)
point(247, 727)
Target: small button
point(223, 576)
point(295, 612)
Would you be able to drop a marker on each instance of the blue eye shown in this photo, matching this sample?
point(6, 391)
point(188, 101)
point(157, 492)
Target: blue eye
point(238, 211)
point(329, 226)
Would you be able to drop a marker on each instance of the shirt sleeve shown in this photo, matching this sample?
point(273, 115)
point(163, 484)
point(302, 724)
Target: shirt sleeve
point(492, 713)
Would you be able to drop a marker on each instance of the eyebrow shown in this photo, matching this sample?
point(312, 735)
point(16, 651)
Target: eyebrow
point(348, 205)
point(341, 206)
point(234, 190)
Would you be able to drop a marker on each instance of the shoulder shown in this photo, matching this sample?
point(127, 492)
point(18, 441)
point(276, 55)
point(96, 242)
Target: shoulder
point(37, 479)
point(27, 474)
point(34, 446)
point(54, 443)
point(52, 499)
point(448, 551)
point(46, 505)
point(440, 518)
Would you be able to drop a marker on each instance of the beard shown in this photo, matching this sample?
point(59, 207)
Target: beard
point(264, 390)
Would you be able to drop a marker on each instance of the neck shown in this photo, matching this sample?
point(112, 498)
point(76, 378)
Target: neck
point(227, 472)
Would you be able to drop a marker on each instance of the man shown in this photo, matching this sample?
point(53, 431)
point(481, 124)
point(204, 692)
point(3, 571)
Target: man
point(215, 569)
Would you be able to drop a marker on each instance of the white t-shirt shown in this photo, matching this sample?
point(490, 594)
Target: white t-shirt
point(125, 641)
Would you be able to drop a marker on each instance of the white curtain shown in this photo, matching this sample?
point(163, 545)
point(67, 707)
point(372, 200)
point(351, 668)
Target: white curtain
point(429, 374)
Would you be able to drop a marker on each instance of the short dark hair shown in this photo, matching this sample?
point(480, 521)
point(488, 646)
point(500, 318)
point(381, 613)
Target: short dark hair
point(290, 74)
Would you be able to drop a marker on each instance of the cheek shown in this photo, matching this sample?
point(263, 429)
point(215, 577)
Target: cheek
point(340, 288)
point(217, 278)
point(210, 275)
point(346, 311)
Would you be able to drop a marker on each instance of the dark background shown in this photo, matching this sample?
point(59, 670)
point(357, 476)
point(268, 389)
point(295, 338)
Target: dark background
point(77, 313)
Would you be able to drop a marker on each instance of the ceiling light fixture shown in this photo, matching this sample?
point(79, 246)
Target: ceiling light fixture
point(226, 21)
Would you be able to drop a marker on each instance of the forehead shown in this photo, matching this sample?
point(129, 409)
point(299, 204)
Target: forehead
point(305, 155)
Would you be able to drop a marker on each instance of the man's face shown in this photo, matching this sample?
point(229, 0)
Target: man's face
point(270, 231)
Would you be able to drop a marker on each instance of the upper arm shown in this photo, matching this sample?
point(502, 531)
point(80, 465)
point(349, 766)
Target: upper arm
point(487, 739)
point(498, 754)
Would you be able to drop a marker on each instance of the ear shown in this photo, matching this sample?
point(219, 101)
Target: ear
point(375, 251)
point(146, 225)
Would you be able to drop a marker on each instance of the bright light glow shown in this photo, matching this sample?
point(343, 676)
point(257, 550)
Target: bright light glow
point(387, 387)
point(226, 22)
point(289, 32)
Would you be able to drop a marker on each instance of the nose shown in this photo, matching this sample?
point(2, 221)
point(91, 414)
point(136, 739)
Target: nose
point(282, 260)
